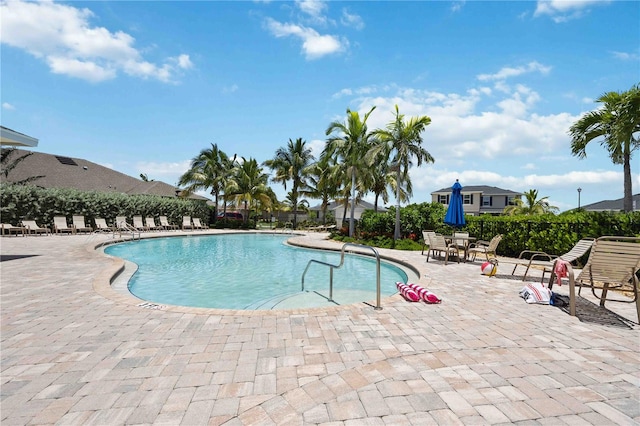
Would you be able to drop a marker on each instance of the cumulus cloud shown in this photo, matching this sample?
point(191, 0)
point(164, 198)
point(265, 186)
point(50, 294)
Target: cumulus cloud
point(626, 56)
point(351, 20)
point(565, 10)
point(509, 72)
point(172, 170)
point(64, 38)
point(314, 44)
point(8, 106)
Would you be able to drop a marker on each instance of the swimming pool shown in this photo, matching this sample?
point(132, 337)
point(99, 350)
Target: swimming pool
point(246, 271)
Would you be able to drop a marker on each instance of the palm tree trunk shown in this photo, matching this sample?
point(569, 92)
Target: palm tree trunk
point(628, 197)
point(396, 235)
point(353, 203)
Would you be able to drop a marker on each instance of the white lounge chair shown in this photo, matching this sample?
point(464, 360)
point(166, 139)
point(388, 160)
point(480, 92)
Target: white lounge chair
point(79, 225)
point(33, 228)
point(186, 223)
point(139, 224)
point(151, 224)
point(61, 226)
point(197, 224)
point(101, 225)
point(165, 222)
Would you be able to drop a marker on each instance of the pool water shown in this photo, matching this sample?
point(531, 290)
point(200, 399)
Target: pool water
point(245, 271)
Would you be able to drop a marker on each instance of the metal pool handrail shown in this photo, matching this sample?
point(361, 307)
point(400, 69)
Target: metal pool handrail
point(332, 267)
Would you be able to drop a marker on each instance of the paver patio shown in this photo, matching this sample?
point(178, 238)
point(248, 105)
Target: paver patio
point(75, 351)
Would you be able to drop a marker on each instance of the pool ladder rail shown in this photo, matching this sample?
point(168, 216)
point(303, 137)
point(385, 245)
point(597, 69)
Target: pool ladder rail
point(124, 227)
point(332, 267)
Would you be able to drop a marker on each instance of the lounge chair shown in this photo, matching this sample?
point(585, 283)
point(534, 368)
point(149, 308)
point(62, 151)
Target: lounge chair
point(151, 224)
point(139, 224)
point(61, 226)
point(101, 225)
point(165, 222)
point(613, 264)
point(545, 261)
point(437, 243)
point(79, 225)
point(8, 229)
point(122, 224)
point(186, 223)
point(197, 224)
point(425, 237)
point(487, 248)
point(33, 228)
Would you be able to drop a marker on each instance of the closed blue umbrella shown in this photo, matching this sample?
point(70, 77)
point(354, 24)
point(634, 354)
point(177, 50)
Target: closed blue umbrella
point(455, 212)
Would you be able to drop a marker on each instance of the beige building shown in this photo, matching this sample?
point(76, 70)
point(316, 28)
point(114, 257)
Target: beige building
point(479, 199)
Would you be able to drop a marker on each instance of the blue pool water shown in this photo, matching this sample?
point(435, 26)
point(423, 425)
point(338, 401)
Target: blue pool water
point(242, 271)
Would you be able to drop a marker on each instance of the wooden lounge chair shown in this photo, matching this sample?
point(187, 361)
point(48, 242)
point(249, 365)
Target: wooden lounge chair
point(151, 224)
point(8, 229)
point(79, 224)
point(613, 264)
point(186, 223)
point(138, 224)
point(437, 243)
point(487, 248)
point(165, 222)
point(101, 225)
point(197, 224)
point(33, 228)
point(61, 226)
point(545, 261)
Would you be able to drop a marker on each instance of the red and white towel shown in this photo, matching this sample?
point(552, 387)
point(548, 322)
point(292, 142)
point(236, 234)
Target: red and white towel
point(413, 293)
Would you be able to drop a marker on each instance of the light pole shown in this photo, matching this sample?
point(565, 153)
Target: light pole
point(579, 191)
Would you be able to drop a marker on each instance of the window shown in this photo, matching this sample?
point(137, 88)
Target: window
point(443, 199)
point(511, 201)
point(487, 201)
point(467, 199)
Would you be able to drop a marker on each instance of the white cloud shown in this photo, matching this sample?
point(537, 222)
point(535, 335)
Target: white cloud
point(352, 21)
point(625, 56)
point(64, 38)
point(314, 45)
point(230, 89)
point(314, 9)
point(566, 10)
point(8, 106)
point(509, 72)
point(456, 6)
point(168, 172)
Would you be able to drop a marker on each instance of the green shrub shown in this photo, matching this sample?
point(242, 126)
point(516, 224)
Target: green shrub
point(18, 202)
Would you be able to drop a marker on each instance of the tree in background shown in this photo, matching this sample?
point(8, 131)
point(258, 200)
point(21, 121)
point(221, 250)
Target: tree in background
point(401, 143)
point(531, 206)
point(248, 186)
point(321, 183)
point(290, 164)
point(348, 143)
point(210, 170)
point(617, 122)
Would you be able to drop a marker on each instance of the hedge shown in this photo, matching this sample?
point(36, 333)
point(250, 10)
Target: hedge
point(18, 202)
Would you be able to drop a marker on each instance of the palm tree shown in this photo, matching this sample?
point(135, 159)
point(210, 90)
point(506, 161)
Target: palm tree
point(290, 164)
point(321, 184)
point(209, 171)
point(617, 121)
point(349, 145)
point(249, 185)
point(531, 206)
point(402, 141)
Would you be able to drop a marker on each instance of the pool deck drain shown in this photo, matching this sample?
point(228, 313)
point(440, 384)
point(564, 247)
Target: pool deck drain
point(75, 351)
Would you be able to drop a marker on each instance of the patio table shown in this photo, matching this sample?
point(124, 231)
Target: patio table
point(467, 240)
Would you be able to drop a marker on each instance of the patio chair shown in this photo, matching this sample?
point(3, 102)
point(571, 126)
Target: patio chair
point(437, 243)
point(425, 237)
point(613, 265)
point(545, 261)
point(186, 223)
point(79, 224)
point(32, 227)
point(165, 222)
point(151, 224)
point(139, 224)
point(197, 224)
point(487, 248)
point(122, 224)
point(61, 226)
point(101, 225)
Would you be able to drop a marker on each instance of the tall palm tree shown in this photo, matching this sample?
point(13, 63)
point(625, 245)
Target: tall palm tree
point(249, 186)
point(209, 170)
point(401, 141)
point(531, 206)
point(290, 164)
point(349, 144)
point(321, 183)
point(617, 122)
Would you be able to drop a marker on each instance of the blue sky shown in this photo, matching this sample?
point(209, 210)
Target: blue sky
point(142, 87)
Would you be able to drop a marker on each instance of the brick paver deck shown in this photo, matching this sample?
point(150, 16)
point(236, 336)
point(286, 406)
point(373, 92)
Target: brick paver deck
point(75, 351)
